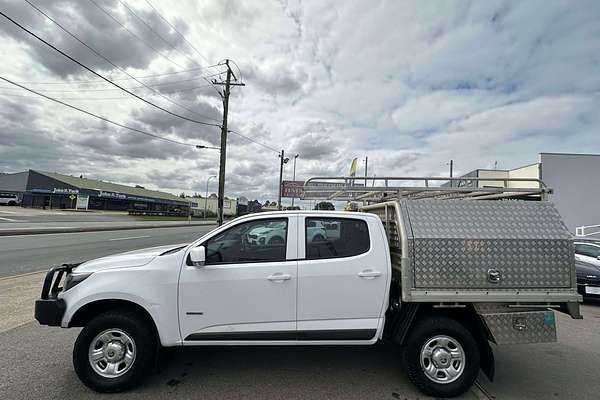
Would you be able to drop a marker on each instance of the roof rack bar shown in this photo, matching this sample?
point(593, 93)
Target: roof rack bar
point(348, 188)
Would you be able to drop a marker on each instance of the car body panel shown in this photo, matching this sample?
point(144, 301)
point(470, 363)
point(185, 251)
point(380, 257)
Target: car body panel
point(594, 246)
point(239, 297)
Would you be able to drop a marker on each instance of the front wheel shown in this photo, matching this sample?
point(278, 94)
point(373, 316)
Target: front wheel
point(441, 357)
point(114, 351)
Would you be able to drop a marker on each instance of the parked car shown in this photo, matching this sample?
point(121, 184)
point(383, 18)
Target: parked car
point(588, 251)
point(9, 199)
point(588, 279)
point(441, 300)
point(273, 233)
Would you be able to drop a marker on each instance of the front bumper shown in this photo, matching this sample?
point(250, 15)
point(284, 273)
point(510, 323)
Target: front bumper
point(49, 309)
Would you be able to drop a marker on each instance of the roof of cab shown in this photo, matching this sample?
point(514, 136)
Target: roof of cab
point(311, 212)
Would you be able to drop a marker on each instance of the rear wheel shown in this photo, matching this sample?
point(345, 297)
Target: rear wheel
point(12, 203)
point(114, 351)
point(441, 357)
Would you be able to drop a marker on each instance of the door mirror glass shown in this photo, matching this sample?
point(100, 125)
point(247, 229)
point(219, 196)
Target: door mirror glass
point(198, 256)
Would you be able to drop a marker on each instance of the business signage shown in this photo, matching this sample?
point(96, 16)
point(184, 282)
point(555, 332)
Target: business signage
point(83, 201)
point(112, 195)
point(293, 189)
point(65, 191)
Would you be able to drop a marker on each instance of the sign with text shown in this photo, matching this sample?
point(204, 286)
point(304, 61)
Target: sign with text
point(83, 201)
point(292, 189)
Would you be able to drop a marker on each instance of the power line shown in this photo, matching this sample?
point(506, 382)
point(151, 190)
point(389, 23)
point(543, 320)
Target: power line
point(111, 90)
point(254, 141)
point(77, 82)
point(154, 32)
point(104, 78)
point(175, 29)
point(57, 99)
point(97, 116)
point(158, 35)
point(108, 61)
point(134, 35)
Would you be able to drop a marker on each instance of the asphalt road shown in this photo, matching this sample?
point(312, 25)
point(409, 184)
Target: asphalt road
point(36, 364)
point(21, 254)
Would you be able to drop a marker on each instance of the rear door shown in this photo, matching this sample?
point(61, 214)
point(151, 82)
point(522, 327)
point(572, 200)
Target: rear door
point(342, 279)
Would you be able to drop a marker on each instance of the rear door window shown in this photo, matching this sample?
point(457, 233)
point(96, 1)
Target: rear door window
point(335, 237)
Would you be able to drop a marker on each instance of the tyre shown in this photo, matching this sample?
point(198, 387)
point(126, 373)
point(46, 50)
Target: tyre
point(12, 203)
point(441, 357)
point(115, 351)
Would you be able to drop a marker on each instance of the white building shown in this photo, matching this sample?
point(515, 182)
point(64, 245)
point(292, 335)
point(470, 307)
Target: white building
point(199, 203)
point(574, 178)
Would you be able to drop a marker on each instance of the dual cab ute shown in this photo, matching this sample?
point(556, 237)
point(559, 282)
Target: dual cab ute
point(442, 279)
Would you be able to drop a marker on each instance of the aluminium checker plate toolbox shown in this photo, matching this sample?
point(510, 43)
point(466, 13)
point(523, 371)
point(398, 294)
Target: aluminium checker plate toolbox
point(458, 244)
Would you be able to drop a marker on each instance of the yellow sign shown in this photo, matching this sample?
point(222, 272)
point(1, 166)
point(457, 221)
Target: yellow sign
point(72, 197)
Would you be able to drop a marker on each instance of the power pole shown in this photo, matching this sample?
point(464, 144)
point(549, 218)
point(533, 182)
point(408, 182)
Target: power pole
point(282, 161)
point(223, 158)
point(294, 177)
point(451, 166)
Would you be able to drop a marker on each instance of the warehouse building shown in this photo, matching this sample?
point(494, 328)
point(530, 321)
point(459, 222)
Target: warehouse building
point(210, 204)
point(574, 179)
point(39, 189)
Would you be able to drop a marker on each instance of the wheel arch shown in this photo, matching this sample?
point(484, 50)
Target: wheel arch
point(412, 313)
point(88, 311)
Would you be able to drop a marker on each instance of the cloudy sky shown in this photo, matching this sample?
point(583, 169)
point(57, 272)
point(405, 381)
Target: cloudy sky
point(411, 85)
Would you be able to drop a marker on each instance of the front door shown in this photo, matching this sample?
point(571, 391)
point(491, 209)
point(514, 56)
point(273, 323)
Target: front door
point(247, 288)
point(342, 279)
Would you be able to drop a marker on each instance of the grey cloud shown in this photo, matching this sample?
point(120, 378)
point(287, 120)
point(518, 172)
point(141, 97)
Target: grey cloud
point(277, 79)
point(315, 143)
point(93, 27)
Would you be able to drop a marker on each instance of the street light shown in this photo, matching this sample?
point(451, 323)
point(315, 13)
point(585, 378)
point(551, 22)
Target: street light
point(206, 196)
point(201, 146)
point(294, 178)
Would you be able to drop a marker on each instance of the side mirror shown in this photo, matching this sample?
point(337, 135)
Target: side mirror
point(198, 256)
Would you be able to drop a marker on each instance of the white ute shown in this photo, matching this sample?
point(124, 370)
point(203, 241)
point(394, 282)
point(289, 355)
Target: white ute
point(226, 288)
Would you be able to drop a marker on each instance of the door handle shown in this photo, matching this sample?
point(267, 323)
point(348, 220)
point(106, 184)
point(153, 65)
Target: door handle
point(369, 274)
point(279, 277)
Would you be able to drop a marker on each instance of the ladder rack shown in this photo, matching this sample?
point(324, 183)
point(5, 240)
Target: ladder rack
point(378, 189)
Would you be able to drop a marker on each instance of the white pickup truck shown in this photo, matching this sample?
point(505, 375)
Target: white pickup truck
point(375, 279)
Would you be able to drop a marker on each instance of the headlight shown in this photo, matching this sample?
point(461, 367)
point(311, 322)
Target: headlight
point(74, 279)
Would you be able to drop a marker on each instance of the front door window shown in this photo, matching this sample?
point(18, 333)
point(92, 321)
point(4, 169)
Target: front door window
point(253, 241)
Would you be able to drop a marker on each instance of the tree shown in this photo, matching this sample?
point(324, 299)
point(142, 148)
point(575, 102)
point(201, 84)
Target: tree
point(182, 195)
point(325, 205)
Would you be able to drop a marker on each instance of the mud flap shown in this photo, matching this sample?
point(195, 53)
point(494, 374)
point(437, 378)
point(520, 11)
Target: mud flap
point(488, 364)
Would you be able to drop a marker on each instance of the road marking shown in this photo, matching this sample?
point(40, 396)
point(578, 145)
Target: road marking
point(8, 212)
point(131, 237)
point(43, 227)
point(8, 219)
point(3, 278)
